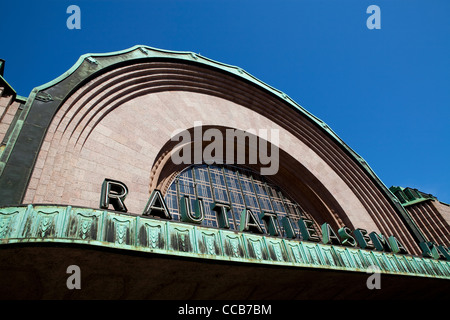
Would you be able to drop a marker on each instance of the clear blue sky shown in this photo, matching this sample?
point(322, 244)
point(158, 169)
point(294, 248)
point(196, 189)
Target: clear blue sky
point(385, 92)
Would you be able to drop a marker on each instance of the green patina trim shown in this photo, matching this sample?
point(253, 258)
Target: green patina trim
point(8, 89)
point(142, 52)
point(110, 229)
point(5, 150)
point(18, 123)
point(21, 99)
point(414, 202)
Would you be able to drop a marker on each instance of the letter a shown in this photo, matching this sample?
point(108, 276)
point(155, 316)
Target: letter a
point(74, 21)
point(181, 153)
point(374, 21)
point(156, 206)
point(74, 281)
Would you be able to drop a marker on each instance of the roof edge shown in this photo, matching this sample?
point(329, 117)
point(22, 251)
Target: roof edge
point(143, 51)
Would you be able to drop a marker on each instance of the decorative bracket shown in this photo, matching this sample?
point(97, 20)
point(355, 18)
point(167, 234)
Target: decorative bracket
point(92, 60)
point(44, 96)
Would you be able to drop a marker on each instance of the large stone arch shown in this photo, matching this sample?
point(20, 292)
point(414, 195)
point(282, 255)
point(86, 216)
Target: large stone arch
point(118, 118)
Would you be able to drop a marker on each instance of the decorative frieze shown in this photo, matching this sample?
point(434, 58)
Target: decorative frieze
point(66, 224)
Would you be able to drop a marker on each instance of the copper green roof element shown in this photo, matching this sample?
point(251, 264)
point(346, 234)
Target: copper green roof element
point(99, 61)
point(2, 67)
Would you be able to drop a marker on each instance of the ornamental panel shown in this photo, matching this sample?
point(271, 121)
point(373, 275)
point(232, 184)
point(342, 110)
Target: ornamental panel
point(311, 253)
point(233, 244)
point(84, 224)
point(151, 234)
point(181, 237)
point(277, 251)
point(43, 222)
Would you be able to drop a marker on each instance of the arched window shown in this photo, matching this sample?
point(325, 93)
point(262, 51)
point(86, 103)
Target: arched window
point(237, 188)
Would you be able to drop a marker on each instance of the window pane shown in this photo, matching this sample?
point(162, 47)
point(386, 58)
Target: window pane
point(237, 187)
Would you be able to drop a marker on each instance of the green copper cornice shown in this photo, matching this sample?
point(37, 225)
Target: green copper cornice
point(96, 62)
point(7, 87)
point(106, 229)
point(47, 98)
point(410, 196)
point(99, 61)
